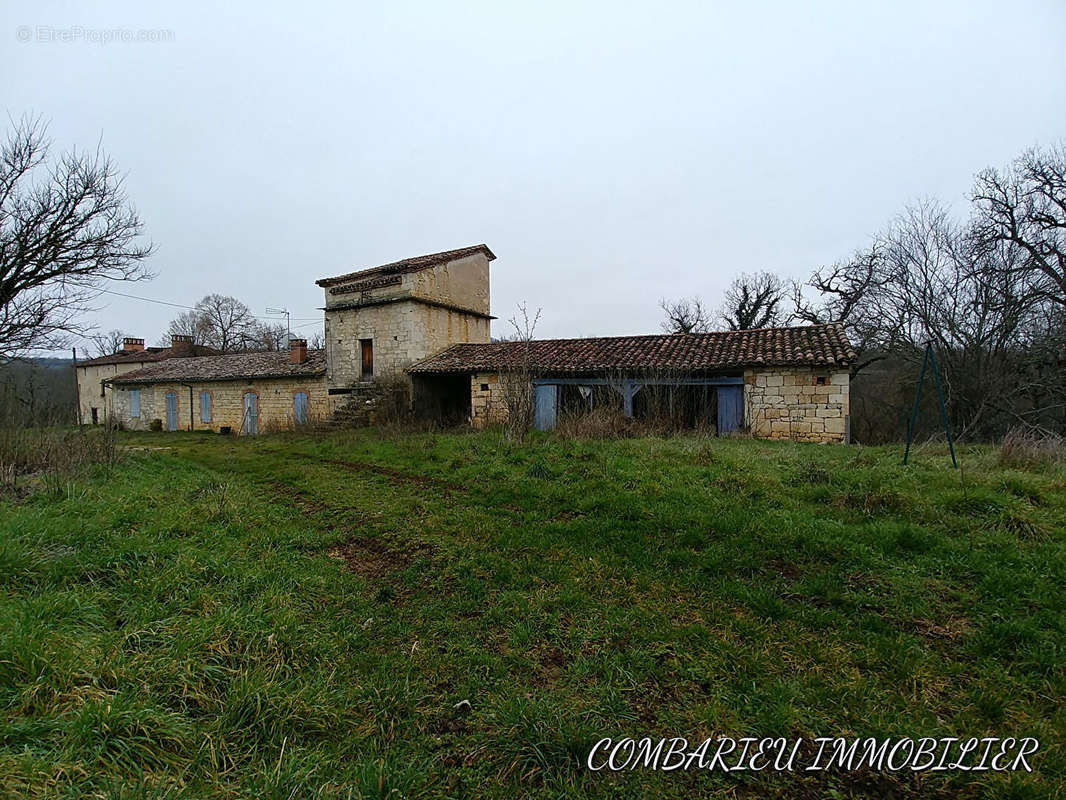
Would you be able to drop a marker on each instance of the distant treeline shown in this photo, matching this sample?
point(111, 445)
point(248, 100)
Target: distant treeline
point(37, 392)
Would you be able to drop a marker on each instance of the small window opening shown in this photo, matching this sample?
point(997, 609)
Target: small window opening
point(820, 380)
point(484, 387)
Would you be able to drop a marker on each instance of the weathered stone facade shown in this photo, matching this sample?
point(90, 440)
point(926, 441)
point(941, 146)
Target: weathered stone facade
point(276, 398)
point(800, 403)
point(401, 332)
point(805, 404)
point(487, 404)
point(94, 393)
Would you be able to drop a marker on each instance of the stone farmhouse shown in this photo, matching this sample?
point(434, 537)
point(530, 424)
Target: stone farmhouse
point(416, 333)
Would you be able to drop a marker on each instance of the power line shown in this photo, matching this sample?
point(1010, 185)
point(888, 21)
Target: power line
point(190, 308)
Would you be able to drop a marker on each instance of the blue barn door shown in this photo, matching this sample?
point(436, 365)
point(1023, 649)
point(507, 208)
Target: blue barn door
point(730, 409)
point(544, 401)
point(172, 411)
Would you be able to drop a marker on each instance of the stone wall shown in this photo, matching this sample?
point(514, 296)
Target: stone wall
point(402, 332)
point(463, 283)
point(91, 392)
point(487, 404)
point(227, 403)
point(800, 403)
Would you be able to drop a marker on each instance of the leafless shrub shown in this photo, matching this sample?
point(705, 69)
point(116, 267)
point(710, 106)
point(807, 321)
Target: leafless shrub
point(1023, 447)
point(393, 404)
point(516, 385)
point(599, 423)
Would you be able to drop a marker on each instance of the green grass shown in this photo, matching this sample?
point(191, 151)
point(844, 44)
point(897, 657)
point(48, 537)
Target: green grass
point(296, 617)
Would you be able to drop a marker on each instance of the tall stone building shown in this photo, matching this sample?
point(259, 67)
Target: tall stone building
point(379, 321)
point(418, 330)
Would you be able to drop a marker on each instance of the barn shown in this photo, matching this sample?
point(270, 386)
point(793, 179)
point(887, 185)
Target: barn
point(776, 382)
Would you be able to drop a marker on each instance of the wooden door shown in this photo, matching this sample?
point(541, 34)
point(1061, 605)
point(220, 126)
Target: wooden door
point(299, 408)
point(251, 413)
point(367, 346)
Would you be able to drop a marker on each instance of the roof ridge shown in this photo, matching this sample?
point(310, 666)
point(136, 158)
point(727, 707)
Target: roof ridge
point(818, 345)
point(416, 262)
point(657, 335)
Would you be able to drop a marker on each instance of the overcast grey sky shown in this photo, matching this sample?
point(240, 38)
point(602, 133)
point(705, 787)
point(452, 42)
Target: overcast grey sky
point(610, 153)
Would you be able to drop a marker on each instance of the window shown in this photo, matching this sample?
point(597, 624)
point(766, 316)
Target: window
point(821, 380)
point(484, 387)
point(135, 403)
point(205, 406)
point(299, 408)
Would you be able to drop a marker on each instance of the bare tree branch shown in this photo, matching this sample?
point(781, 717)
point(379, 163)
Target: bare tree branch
point(685, 316)
point(61, 235)
point(753, 301)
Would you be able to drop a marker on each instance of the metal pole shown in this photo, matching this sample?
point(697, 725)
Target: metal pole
point(943, 407)
point(77, 384)
point(917, 400)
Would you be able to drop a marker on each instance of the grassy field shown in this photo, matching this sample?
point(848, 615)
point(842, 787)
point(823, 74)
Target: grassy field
point(297, 617)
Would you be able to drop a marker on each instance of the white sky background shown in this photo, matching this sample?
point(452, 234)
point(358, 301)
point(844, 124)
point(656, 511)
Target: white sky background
point(610, 153)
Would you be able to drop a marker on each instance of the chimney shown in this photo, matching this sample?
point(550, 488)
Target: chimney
point(131, 345)
point(181, 345)
point(297, 351)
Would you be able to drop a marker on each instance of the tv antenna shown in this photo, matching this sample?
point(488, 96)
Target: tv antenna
point(285, 311)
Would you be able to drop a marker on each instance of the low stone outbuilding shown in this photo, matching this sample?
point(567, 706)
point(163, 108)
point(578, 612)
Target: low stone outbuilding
point(240, 393)
point(787, 383)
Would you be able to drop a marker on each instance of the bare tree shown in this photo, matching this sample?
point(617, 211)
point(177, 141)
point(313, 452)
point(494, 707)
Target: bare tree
point(316, 341)
point(685, 316)
point(929, 279)
point(227, 320)
point(109, 343)
point(1025, 206)
point(265, 336)
point(218, 321)
point(65, 227)
point(753, 301)
point(846, 293)
point(189, 323)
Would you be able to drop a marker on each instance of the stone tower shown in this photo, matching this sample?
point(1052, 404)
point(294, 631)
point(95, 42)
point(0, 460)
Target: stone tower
point(383, 319)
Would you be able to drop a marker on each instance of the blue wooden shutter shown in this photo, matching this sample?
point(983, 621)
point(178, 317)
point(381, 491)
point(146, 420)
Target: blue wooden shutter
point(299, 407)
point(205, 406)
point(135, 402)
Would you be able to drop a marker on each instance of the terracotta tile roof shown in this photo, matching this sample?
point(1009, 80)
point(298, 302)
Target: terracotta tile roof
point(148, 355)
point(229, 367)
point(814, 345)
point(410, 264)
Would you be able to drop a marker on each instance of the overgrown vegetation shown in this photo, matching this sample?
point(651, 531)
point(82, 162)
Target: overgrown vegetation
point(1032, 448)
point(52, 455)
point(298, 617)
